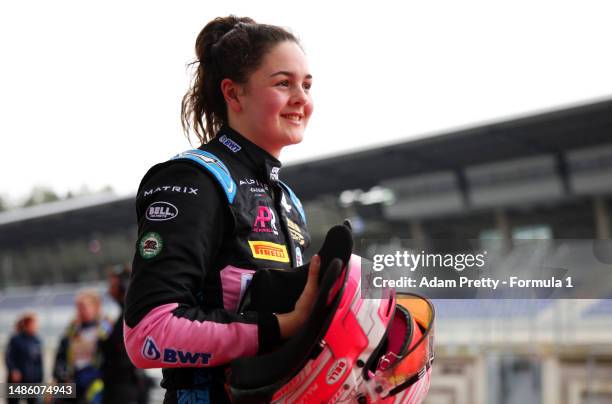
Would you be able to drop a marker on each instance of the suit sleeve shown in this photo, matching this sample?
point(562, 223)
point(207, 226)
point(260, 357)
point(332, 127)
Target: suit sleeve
point(183, 217)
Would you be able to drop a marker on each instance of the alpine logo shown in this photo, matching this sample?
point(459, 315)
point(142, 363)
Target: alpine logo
point(336, 371)
point(150, 350)
point(230, 144)
point(256, 186)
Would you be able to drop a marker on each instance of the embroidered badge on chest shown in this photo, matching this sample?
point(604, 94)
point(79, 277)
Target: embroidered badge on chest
point(265, 222)
point(269, 251)
point(296, 232)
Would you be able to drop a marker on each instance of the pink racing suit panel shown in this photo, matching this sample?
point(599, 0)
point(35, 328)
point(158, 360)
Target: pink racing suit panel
point(234, 281)
point(163, 340)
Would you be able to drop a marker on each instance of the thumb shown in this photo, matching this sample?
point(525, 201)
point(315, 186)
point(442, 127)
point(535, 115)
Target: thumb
point(313, 271)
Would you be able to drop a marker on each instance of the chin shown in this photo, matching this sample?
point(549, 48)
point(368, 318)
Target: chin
point(296, 136)
point(295, 139)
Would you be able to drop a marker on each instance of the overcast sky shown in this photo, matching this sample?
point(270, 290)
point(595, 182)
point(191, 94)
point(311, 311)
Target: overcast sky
point(90, 91)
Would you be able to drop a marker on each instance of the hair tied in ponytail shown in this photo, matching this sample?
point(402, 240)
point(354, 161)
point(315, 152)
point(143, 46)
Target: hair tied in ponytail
point(224, 49)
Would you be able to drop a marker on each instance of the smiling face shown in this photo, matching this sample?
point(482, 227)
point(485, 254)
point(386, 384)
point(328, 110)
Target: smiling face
point(274, 106)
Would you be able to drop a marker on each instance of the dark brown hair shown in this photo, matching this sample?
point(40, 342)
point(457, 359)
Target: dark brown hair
point(227, 47)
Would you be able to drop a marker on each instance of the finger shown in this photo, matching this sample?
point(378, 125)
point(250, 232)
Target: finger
point(313, 271)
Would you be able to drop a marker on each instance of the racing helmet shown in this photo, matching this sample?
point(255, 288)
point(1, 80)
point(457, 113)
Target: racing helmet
point(351, 350)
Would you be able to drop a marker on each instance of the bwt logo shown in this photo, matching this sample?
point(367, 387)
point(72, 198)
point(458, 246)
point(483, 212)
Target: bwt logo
point(185, 357)
point(151, 351)
point(230, 144)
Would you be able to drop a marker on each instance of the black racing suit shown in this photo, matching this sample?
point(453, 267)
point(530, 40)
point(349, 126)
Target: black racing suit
point(207, 220)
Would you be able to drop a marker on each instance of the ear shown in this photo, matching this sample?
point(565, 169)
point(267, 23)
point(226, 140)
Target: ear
point(231, 91)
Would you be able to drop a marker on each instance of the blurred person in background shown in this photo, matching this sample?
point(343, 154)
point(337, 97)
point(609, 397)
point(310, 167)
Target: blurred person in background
point(78, 357)
point(123, 382)
point(24, 354)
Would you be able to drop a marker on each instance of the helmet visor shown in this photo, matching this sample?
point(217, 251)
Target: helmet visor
point(409, 350)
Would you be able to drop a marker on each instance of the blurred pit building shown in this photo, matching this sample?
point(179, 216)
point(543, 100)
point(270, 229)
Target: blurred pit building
point(546, 176)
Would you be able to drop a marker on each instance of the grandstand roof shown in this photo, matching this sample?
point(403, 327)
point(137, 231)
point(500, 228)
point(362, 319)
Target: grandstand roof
point(66, 219)
point(546, 133)
point(57, 207)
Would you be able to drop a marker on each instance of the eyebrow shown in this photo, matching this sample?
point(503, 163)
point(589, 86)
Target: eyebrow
point(286, 73)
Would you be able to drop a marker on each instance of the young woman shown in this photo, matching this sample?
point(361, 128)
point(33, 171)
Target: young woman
point(209, 218)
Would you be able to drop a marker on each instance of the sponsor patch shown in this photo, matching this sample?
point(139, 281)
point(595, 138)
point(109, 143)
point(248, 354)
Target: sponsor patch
point(336, 371)
point(285, 204)
point(185, 357)
point(295, 231)
point(158, 211)
point(265, 222)
point(255, 184)
point(172, 188)
point(266, 250)
point(230, 144)
point(274, 173)
point(150, 350)
point(150, 245)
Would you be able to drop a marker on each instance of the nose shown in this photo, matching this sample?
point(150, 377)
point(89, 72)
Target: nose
point(299, 96)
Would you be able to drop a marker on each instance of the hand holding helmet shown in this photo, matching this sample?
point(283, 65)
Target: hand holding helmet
point(350, 349)
point(290, 323)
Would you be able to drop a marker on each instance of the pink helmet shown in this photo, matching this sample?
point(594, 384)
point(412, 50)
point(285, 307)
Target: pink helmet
point(352, 349)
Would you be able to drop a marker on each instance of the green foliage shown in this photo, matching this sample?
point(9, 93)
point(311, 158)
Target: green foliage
point(40, 195)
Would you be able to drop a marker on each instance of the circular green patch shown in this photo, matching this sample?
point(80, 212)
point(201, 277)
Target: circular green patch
point(150, 245)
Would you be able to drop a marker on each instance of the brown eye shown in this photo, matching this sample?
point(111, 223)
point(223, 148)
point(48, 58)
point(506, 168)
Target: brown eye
point(284, 83)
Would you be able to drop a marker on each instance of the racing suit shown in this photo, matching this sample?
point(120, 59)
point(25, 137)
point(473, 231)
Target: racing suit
point(207, 220)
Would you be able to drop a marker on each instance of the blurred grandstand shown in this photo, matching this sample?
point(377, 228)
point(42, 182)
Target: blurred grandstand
point(543, 176)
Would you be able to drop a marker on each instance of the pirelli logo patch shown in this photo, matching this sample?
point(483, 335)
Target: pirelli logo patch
point(269, 251)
